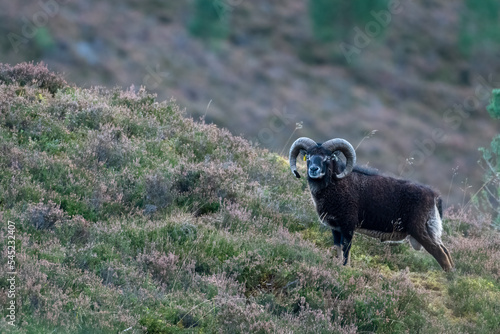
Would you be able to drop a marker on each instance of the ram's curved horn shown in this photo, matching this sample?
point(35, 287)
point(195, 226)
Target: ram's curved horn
point(342, 145)
point(302, 143)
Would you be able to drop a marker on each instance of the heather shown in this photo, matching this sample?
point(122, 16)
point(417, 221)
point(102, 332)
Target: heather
point(131, 216)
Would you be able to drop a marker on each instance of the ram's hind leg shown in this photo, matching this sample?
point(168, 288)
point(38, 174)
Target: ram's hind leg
point(436, 250)
point(434, 227)
point(429, 236)
point(448, 255)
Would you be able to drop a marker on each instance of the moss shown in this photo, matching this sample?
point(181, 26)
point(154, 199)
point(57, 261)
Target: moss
point(478, 300)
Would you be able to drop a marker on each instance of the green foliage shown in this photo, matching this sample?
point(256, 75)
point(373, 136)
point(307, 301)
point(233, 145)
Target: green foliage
point(325, 17)
point(210, 19)
point(494, 106)
point(479, 26)
point(491, 157)
point(44, 40)
point(332, 20)
point(478, 300)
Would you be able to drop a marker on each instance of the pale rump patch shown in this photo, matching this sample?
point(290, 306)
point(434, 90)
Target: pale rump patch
point(435, 225)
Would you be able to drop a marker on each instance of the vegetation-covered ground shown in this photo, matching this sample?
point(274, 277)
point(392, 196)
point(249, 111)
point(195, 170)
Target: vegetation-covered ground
point(130, 217)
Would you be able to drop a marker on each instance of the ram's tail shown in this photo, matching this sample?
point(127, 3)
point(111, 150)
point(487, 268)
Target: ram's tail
point(439, 204)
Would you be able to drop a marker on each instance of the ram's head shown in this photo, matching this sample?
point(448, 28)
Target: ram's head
point(319, 156)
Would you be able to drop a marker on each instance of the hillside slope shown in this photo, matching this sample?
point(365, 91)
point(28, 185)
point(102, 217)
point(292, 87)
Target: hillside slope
point(271, 72)
point(130, 217)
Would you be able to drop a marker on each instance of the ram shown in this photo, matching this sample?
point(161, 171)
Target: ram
point(351, 198)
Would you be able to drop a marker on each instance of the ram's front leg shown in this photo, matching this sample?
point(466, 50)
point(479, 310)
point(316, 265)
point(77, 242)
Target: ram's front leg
point(337, 242)
point(342, 243)
point(346, 236)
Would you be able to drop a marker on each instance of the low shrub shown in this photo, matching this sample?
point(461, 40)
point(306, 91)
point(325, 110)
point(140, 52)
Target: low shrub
point(32, 74)
point(44, 216)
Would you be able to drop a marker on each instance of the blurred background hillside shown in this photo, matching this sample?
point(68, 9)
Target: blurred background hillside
point(419, 72)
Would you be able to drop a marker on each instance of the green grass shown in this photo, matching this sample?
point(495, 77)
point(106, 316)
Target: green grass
point(130, 216)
